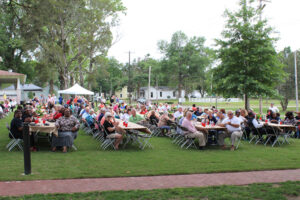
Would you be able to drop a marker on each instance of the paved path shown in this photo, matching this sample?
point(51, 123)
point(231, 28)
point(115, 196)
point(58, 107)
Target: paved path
point(17, 188)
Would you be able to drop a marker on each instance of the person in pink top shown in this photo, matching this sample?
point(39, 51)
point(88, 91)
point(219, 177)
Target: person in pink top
point(192, 131)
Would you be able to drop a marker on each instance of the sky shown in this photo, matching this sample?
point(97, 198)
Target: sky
point(148, 21)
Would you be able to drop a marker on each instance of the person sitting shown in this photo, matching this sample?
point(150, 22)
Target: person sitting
point(112, 129)
point(164, 122)
point(234, 130)
point(273, 118)
point(67, 126)
point(85, 113)
point(135, 118)
point(240, 117)
point(252, 122)
point(198, 112)
point(205, 113)
point(59, 113)
point(16, 128)
point(125, 117)
point(194, 108)
point(90, 119)
point(211, 119)
point(178, 114)
point(289, 119)
point(143, 110)
point(193, 132)
point(153, 117)
point(102, 113)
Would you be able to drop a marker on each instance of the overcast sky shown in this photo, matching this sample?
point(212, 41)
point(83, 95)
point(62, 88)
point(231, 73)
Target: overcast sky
point(148, 21)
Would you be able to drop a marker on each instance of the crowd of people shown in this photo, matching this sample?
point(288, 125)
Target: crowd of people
point(68, 115)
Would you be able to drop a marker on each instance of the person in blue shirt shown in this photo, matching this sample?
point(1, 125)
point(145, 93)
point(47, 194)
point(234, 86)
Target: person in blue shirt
point(60, 100)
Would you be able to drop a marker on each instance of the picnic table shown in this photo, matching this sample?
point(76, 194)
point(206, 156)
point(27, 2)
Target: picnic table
point(283, 130)
point(133, 126)
point(132, 134)
point(209, 127)
point(48, 127)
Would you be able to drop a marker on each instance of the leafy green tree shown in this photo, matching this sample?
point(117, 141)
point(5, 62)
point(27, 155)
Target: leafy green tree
point(286, 89)
point(184, 58)
point(249, 63)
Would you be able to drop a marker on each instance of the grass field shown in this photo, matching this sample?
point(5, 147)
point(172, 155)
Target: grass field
point(280, 191)
point(164, 158)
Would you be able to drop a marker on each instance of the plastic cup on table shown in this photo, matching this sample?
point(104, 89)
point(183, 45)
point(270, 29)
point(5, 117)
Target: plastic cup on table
point(281, 122)
point(266, 121)
point(203, 124)
point(44, 121)
point(36, 121)
point(260, 119)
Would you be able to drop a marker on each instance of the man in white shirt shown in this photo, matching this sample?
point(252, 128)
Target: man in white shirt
point(178, 114)
point(274, 108)
point(233, 126)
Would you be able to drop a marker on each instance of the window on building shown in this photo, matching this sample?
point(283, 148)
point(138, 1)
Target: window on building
point(120, 95)
point(160, 94)
point(174, 93)
point(151, 94)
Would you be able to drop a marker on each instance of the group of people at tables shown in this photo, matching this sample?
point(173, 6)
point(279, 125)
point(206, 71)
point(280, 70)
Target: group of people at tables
point(66, 120)
point(66, 123)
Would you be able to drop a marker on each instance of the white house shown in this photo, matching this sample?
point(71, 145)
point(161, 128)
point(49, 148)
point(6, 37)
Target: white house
point(162, 92)
point(7, 78)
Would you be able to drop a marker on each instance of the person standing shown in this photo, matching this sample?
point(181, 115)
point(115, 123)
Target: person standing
point(273, 108)
point(60, 100)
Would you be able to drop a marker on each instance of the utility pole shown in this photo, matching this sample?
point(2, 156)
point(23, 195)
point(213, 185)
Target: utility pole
point(129, 86)
point(149, 81)
point(296, 81)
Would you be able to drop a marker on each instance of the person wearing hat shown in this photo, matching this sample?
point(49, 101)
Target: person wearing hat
point(112, 129)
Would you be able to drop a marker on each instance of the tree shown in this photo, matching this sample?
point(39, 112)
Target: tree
point(184, 58)
point(286, 89)
point(249, 63)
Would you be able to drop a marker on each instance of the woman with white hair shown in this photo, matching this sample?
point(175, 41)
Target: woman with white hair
point(112, 129)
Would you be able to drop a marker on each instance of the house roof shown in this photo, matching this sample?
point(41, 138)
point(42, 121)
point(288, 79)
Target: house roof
point(9, 75)
point(25, 87)
point(165, 88)
point(31, 87)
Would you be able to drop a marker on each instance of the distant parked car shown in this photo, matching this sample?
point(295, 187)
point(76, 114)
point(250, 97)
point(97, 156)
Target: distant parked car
point(142, 100)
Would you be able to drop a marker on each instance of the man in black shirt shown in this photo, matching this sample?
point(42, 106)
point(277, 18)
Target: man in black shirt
point(16, 125)
point(16, 128)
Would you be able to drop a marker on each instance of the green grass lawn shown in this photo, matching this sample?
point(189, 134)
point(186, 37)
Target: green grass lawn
point(266, 191)
point(164, 158)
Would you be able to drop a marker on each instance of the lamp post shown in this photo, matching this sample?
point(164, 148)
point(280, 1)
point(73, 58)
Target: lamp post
point(296, 81)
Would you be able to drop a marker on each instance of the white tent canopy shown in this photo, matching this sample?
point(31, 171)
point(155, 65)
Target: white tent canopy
point(76, 89)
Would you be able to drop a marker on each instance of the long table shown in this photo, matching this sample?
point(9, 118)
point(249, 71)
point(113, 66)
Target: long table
point(133, 126)
point(41, 128)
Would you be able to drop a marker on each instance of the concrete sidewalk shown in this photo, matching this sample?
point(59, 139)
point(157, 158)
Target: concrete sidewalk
point(18, 188)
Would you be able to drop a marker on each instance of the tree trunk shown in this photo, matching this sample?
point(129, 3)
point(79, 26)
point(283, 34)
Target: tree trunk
point(51, 86)
point(81, 75)
point(247, 102)
point(179, 84)
point(284, 103)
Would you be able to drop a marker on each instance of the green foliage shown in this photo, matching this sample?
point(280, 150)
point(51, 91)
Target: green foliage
point(186, 61)
point(249, 63)
point(286, 89)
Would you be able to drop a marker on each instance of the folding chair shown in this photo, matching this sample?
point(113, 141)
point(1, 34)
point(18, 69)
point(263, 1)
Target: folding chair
point(108, 141)
point(14, 141)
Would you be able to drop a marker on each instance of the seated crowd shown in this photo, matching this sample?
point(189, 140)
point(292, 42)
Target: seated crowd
point(163, 116)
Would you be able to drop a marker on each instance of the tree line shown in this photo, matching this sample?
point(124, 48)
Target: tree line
point(60, 42)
